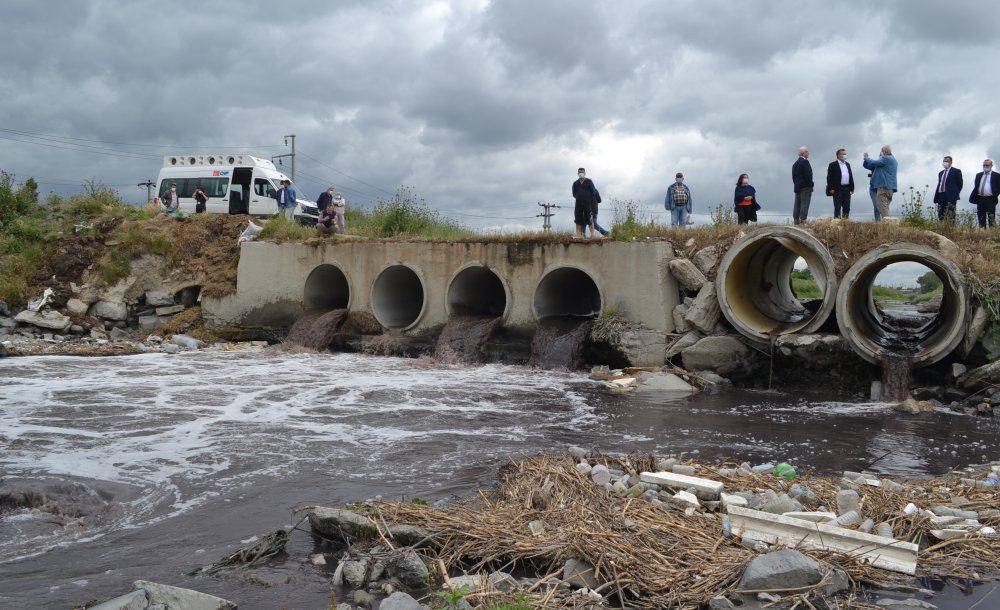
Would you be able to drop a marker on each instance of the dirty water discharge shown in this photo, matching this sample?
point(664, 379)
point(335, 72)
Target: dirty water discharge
point(316, 328)
point(895, 377)
point(464, 337)
point(559, 341)
point(146, 467)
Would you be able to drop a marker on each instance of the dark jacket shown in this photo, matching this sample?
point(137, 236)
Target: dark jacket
point(994, 187)
point(323, 199)
point(585, 193)
point(952, 186)
point(833, 177)
point(744, 190)
point(802, 174)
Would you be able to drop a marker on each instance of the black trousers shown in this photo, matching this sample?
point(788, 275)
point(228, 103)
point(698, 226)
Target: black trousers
point(842, 201)
point(946, 211)
point(745, 213)
point(987, 214)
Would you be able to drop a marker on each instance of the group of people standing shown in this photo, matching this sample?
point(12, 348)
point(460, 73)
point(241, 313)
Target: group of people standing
point(331, 212)
point(839, 186)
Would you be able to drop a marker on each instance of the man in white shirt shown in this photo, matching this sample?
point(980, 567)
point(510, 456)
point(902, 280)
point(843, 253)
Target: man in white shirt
point(840, 185)
point(984, 194)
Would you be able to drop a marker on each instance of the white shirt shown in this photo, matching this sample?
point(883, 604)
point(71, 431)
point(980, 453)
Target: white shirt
point(985, 187)
point(845, 175)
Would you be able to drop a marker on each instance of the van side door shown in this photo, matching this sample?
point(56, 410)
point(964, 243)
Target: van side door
point(262, 201)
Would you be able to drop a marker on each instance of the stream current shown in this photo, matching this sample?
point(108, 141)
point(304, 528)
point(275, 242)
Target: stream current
point(148, 466)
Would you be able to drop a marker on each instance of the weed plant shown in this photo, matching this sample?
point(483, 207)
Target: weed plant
point(630, 223)
point(404, 215)
point(279, 228)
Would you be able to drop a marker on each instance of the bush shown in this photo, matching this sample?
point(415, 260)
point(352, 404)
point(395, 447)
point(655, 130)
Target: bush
point(279, 228)
point(629, 221)
point(14, 203)
point(404, 215)
point(723, 215)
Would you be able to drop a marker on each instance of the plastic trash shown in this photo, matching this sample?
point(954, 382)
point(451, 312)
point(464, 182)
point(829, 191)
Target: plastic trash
point(866, 525)
point(763, 468)
point(848, 501)
point(909, 509)
point(992, 479)
point(884, 530)
point(250, 233)
point(40, 302)
point(784, 471)
point(847, 519)
point(727, 529)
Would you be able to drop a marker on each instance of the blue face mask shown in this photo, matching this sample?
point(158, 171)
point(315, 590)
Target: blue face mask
point(679, 180)
point(581, 175)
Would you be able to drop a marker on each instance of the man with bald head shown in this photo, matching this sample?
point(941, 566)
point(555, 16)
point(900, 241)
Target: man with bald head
point(984, 194)
point(883, 178)
point(802, 184)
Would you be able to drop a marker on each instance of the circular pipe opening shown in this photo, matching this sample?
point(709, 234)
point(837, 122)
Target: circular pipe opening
point(567, 291)
point(327, 288)
point(397, 297)
point(873, 335)
point(754, 283)
point(476, 291)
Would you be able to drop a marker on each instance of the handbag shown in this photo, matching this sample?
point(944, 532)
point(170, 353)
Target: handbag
point(755, 206)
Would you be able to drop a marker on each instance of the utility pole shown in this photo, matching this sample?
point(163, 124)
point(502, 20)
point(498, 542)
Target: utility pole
point(291, 154)
point(546, 215)
point(149, 184)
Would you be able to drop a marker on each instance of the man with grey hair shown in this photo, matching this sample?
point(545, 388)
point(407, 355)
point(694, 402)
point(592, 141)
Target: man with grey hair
point(802, 184)
point(883, 178)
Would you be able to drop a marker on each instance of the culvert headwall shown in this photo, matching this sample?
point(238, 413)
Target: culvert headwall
point(868, 331)
point(567, 291)
point(754, 283)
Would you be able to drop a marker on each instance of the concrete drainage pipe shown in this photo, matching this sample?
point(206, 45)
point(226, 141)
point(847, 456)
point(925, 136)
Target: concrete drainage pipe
point(871, 334)
point(476, 291)
point(397, 297)
point(327, 288)
point(754, 283)
point(567, 291)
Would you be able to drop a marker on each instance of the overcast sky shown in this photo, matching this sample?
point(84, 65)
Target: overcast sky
point(486, 108)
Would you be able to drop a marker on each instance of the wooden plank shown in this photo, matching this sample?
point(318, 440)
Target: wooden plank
point(884, 553)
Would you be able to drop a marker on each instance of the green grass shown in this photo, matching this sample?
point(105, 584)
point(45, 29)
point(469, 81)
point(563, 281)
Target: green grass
point(806, 288)
point(279, 228)
point(404, 215)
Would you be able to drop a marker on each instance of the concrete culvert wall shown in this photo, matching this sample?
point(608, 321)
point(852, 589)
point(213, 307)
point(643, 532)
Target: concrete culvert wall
point(754, 283)
point(476, 291)
point(327, 288)
point(397, 297)
point(865, 328)
point(567, 291)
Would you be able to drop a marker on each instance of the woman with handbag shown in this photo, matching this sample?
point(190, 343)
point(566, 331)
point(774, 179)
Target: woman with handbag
point(745, 198)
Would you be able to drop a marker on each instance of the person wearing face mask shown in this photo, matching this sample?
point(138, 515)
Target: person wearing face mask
point(170, 200)
point(340, 206)
point(678, 201)
point(840, 185)
point(984, 194)
point(585, 194)
point(745, 198)
point(883, 178)
point(949, 186)
point(802, 185)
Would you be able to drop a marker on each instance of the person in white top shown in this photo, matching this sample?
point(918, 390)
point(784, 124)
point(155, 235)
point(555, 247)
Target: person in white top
point(339, 206)
point(984, 194)
point(840, 185)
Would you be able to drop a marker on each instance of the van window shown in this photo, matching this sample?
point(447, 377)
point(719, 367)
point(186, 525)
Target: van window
point(263, 188)
point(213, 187)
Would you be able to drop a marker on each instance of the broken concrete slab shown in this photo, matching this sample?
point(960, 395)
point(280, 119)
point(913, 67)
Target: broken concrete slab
point(687, 274)
point(781, 571)
point(176, 597)
point(169, 310)
point(45, 319)
point(706, 489)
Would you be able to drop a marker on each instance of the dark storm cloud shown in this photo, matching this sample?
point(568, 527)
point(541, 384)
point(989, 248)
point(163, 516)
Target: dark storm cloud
point(486, 108)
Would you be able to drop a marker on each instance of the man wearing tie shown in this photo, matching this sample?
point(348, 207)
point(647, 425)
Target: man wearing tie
point(949, 185)
point(984, 195)
point(840, 185)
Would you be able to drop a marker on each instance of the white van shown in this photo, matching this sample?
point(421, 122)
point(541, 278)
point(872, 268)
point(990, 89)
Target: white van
point(235, 184)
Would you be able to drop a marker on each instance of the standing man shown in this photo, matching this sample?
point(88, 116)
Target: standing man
point(340, 206)
point(883, 178)
point(170, 199)
point(984, 195)
point(678, 201)
point(585, 194)
point(324, 198)
point(802, 183)
point(285, 196)
point(840, 185)
point(949, 186)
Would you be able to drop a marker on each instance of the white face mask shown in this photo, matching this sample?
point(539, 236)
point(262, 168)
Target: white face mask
point(679, 180)
point(581, 175)
point(987, 168)
point(946, 165)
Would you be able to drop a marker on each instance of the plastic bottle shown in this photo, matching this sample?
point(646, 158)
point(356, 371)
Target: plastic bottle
point(785, 471)
point(847, 519)
point(884, 530)
point(727, 529)
point(992, 479)
point(867, 525)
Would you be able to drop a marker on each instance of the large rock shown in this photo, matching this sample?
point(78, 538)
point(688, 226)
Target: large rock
point(660, 383)
point(643, 347)
point(722, 355)
point(77, 306)
point(176, 597)
point(337, 523)
point(578, 573)
point(704, 311)
point(914, 407)
point(681, 325)
point(815, 351)
point(400, 601)
point(977, 328)
point(136, 600)
point(109, 310)
point(156, 298)
point(706, 259)
point(45, 319)
point(980, 378)
point(685, 272)
point(781, 570)
point(409, 569)
point(148, 323)
point(682, 343)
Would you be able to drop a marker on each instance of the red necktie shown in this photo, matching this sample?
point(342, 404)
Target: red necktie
point(944, 178)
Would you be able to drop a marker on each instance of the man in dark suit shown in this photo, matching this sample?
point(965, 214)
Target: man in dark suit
point(840, 185)
point(984, 195)
point(802, 184)
point(949, 186)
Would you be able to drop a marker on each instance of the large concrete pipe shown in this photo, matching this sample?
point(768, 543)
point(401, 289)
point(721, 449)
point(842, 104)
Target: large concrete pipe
point(397, 297)
point(566, 291)
point(327, 288)
point(754, 283)
point(871, 335)
point(478, 291)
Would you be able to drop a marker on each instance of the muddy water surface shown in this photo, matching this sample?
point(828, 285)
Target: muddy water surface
point(153, 465)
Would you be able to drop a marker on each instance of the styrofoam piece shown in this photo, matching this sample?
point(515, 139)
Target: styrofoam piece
point(705, 488)
point(880, 552)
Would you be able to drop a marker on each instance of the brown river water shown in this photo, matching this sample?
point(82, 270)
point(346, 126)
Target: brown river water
point(146, 467)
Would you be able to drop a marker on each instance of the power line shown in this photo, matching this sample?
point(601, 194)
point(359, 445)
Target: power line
point(172, 146)
point(330, 167)
point(97, 151)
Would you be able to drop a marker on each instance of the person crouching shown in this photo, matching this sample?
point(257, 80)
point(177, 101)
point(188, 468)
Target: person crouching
point(327, 223)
